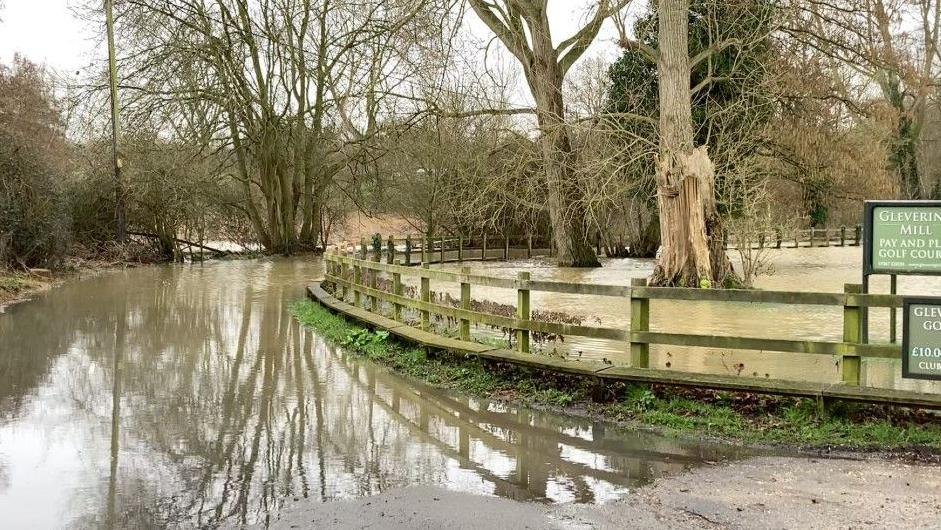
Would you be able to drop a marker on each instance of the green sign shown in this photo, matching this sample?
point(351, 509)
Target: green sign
point(921, 338)
point(903, 237)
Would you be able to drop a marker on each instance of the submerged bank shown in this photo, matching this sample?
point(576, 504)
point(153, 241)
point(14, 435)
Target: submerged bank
point(733, 417)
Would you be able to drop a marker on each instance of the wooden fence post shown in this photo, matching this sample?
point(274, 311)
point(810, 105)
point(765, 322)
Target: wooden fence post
point(362, 248)
point(506, 248)
point(483, 250)
point(441, 242)
point(640, 321)
point(465, 303)
point(390, 250)
point(408, 250)
point(522, 311)
point(344, 274)
point(357, 275)
point(373, 284)
point(893, 314)
point(842, 235)
point(852, 334)
point(529, 246)
point(778, 237)
point(826, 237)
point(460, 249)
point(397, 290)
point(813, 232)
point(859, 234)
point(376, 243)
point(797, 238)
point(425, 297)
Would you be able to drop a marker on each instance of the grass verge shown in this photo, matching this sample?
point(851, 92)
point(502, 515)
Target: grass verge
point(737, 417)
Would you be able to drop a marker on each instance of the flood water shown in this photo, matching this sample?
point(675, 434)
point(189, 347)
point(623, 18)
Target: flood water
point(183, 396)
point(824, 269)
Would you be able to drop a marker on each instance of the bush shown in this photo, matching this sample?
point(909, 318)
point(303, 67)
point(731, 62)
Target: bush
point(34, 157)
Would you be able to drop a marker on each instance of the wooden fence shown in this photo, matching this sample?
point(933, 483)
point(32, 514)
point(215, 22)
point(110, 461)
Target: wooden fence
point(804, 237)
point(442, 249)
point(357, 277)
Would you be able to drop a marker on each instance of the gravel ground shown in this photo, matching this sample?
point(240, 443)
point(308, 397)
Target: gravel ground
point(757, 493)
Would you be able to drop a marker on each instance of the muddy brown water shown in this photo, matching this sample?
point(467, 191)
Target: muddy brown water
point(824, 269)
point(185, 396)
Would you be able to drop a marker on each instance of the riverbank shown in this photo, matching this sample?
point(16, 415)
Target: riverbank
point(737, 418)
point(16, 286)
point(756, 493)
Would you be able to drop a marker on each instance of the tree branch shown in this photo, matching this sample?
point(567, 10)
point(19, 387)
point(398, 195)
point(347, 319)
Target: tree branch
point(713, 49)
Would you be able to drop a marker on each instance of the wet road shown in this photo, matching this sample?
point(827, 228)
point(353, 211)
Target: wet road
point(181, 396)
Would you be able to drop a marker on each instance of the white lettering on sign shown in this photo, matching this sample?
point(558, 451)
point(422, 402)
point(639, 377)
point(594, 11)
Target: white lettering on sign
point(909, 217)
point(927, 311)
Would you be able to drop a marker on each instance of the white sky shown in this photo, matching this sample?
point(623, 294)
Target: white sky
point(47, 32)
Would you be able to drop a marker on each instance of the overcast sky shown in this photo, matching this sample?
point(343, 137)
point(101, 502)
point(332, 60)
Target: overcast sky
point(46, 32)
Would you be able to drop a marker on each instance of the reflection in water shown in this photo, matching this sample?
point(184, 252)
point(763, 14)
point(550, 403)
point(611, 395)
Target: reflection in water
point(804, 269)
point(187, 396)
point(120, 333)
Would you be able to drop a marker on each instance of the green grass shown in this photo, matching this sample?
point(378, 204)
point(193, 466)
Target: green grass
point(774, 420)
point(746, 418)
point(468, 375)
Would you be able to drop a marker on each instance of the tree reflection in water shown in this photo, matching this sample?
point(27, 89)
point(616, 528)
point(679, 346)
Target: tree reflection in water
point(228, 410)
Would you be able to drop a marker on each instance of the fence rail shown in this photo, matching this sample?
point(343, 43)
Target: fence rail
point(482, 247)
point(359, 277)
point(803, 237)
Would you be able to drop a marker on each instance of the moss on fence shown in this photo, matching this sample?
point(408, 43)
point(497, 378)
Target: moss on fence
point(737, 417)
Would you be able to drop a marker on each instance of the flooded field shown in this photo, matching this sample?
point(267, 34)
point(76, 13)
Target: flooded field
point(805, 269)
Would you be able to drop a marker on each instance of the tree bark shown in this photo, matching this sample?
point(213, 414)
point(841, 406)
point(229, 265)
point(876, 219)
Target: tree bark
point(120, 207)
point(685, 174)
point(569, 230)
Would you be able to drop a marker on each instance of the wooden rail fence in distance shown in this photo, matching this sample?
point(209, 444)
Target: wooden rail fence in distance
point(443, 249)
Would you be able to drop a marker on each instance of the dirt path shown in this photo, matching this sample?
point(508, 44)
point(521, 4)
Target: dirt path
point(757, 493)
point(780, 493)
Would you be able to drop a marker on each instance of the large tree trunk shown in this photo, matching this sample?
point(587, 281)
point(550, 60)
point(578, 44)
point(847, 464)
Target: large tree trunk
point(685, 174)
point(567, 216)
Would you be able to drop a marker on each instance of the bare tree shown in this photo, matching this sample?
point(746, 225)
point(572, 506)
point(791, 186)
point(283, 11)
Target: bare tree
point(120, 210)
point(291, 90)
point(691, 232)
point(685, 174)
point(890, 44)
point(523, 27)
